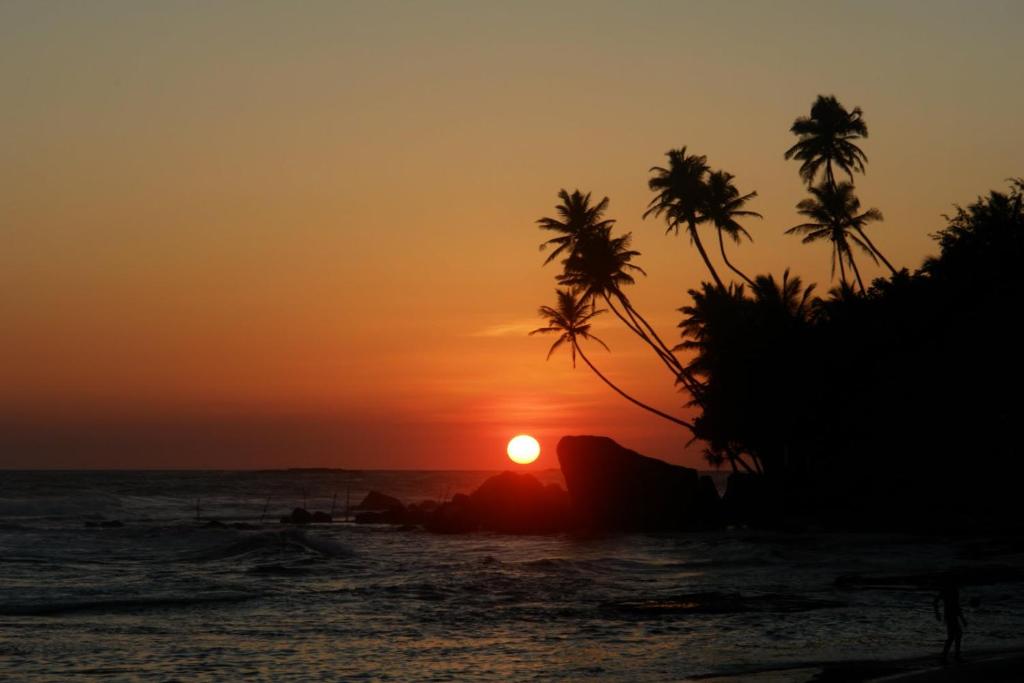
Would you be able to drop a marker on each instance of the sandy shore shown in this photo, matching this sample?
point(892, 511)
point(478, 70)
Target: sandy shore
point(995, 666)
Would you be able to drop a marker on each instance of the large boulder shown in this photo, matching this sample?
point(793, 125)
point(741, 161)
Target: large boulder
point(375, 500)
point(298, 516)
point(612, 488)
point(507, 503)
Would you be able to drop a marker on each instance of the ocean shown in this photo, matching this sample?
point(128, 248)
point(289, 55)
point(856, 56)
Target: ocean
point(168, 598)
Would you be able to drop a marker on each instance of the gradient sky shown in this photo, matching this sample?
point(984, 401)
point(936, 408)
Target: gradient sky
point(275, 234)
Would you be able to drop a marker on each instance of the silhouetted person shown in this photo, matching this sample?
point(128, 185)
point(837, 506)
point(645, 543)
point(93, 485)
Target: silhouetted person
point(949, 596)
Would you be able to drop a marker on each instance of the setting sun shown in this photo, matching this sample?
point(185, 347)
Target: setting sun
point(523, 449)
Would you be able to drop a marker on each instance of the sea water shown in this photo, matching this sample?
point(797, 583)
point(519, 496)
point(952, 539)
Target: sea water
point(170, 597)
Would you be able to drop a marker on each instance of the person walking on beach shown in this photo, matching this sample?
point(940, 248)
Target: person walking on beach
point(949, 596)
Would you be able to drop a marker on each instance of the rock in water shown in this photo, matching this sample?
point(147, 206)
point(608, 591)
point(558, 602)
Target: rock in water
point(375, 500)
point(612, 488)
point(508, 503)
point(298, 516)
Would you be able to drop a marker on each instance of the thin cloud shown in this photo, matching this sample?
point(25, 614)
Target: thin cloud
point(517, 328)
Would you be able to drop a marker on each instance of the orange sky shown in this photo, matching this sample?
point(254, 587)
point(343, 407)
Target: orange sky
point(244, 235)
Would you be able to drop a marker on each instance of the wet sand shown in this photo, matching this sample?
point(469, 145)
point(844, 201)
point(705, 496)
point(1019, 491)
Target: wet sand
point(991, 666)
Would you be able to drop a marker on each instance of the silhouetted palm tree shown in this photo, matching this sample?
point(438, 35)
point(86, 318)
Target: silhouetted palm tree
point(833, 210)
point(570, 320)
point(723, 204)
point(680, 198)
point(577, 218)
point(788, 298)
point(827, 137)
point(599, 264)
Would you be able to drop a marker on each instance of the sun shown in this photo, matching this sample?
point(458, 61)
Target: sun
point(523, 449)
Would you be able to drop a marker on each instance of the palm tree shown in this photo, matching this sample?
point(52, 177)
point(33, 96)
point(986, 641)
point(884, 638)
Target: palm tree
point(681, 189)
point(570, 320)
point(723, 204)
point(788, 299)
point(827, 137)
point(599, 267)
point(600, 264)
point(833, 213)
point(577, 217)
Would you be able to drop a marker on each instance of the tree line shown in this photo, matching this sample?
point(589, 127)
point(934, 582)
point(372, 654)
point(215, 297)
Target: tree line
point(788, 382)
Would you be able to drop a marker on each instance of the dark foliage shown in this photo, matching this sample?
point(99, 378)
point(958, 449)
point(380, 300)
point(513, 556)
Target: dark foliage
point(912, 384)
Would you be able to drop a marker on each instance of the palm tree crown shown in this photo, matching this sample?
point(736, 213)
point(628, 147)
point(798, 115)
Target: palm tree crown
point(833, 213)
point(723, 204)
point(600, 264)
point(826, 138)
point(576, 218)
point(570, 319)
point(680, 189)
point(681, 192)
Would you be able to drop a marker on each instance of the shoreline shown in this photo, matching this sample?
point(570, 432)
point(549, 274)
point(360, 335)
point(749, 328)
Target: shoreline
point(993, 665)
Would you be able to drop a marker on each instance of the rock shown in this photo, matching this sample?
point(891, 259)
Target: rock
point(612, 488)
point(322, 518)
point(506, 503)
point(375, 500)
point(298, 516)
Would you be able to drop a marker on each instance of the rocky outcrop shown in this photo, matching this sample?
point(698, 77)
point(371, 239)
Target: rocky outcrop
point(612, 488)
point(298, 516)
point(507, 503)
point(377, 501)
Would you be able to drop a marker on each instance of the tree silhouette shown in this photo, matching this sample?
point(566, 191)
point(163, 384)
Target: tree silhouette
point(723, 204)
point(570, 320)
point(826, 138)
point(833, 213)
point(680, 198)
point(599, 266)
point(577, 218)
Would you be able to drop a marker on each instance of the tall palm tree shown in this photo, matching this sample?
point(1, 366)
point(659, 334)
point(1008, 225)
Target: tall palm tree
point(599, 267)
point(681, 188)
point(723, 204)
point(833, 213)
point(570, 320)
point(577, 217)
point(828, 137)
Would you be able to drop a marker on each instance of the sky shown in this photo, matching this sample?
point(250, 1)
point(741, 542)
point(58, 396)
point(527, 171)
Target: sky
point(269, 234)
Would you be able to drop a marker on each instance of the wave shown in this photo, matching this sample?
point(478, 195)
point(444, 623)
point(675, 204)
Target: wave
point(60, 507)
point(121, 604)
point(714, 602)
point(290, 538)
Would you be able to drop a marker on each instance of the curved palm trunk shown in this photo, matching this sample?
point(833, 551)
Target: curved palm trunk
point(875, 250)
point(856, 271)
point(650, 335)
point(626, 396)
point(842, 268)
point(682, 374)
point(669, 360)
point(721, 245)
point(704, 254)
